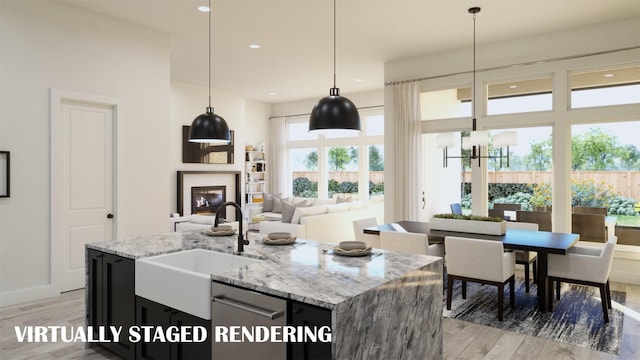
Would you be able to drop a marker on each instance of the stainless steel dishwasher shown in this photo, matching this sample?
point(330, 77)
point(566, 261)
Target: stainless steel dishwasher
point(241, 308)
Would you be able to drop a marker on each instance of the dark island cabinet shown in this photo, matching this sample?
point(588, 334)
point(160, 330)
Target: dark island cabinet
point(111, 297)
point(301, 314)
point(152, 313)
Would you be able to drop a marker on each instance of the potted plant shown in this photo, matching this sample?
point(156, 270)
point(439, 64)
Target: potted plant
point(474, 224)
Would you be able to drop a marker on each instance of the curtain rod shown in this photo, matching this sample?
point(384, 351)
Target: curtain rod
point(513, 65)
point(309, 114)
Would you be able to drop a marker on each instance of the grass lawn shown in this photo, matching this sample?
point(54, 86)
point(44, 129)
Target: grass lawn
point(625, 220)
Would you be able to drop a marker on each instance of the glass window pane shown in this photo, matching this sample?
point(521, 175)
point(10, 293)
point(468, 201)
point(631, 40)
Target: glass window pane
point(605, 87)
point(342, 163)
point(605, 166)
point(445, 104)
point(300, 131)
point(520, 96)
point(304, 167)
point(375, 125)
point(376, 172)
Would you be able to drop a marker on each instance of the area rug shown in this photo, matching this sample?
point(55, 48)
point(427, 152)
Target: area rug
point(576, 318)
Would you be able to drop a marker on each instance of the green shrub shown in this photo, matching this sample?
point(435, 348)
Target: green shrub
point(591, 194)
point(303, 187)
point(524, 199)
point(468, 217)
point(376, 188)
point(623, 206)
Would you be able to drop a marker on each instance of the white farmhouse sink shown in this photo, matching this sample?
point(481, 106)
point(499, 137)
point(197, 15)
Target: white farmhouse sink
point(182, 280)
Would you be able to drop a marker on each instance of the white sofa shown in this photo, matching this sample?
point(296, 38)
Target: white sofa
point(197, 222)
point(333, 225)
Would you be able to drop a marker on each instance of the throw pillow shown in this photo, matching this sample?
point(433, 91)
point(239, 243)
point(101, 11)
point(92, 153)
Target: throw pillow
point(343, 199)
point(307, 211)
point(267, 204)
point(277, 204)
point(289, 208)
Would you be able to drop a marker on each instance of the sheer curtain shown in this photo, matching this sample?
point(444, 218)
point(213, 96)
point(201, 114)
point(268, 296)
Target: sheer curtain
point(277, 155)
point(408, 150)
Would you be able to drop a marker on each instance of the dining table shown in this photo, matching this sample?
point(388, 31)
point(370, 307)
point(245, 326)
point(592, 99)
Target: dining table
point(542, 242)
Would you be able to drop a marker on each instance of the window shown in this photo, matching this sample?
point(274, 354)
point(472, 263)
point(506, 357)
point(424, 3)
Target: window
point(520, 96)
point(329, 164)
point(605, 87)
point(445, 104)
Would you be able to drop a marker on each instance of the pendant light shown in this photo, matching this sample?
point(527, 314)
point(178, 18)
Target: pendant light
point(334, 113)
point(209, 127)
point(476, 139)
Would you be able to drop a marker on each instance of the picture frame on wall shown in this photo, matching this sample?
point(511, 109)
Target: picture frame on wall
point(5, 173)
point(205, 153)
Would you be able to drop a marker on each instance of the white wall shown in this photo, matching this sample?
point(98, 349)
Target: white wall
point(46, 45)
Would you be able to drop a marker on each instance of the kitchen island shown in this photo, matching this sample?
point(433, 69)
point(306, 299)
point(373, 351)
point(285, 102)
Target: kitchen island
point(386, 305)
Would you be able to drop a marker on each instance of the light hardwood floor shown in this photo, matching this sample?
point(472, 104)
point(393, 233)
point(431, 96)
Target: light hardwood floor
point(462, 340)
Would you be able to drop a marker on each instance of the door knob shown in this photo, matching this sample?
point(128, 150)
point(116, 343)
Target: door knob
point(109, 216)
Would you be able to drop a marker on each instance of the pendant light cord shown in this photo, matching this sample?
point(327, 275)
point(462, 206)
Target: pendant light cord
point(334, 43)
point(473, 100)
point(210, 11)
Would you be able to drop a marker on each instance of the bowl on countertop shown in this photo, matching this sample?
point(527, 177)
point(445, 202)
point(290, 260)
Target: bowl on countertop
point(352, 245)
point(224, 228)
point(278, 235)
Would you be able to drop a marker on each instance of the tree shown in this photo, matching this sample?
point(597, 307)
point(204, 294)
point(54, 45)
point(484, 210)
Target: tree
point(540, 157)
point(600, 149)
point(376, 159)
point(629, 157)
point(338, 158)
point(311, 161)
point(353, 152)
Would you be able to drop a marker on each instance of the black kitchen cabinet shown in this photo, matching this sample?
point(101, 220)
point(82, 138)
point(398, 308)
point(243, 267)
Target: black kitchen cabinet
point(301, 314)
point(111, 292)
point(152, 313)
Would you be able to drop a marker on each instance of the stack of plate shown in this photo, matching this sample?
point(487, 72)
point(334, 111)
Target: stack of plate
point(352, 248)
point(220, 230)
point(279, 238)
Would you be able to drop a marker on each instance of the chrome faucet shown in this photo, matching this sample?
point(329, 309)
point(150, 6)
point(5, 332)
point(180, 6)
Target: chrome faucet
point(241, 241)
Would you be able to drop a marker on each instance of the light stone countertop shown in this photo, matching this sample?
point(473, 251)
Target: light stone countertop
point(302, 272)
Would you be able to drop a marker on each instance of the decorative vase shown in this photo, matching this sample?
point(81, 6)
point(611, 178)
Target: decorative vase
point(469, 226)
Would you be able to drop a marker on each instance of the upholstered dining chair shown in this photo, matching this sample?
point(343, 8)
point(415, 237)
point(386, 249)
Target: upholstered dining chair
point(409, 243)
point(456, 209)
point(482, 261)
point(585, 265)
point(526, 258)
point(369, 239)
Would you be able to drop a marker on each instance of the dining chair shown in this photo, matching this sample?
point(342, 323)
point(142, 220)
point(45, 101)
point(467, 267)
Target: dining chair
point(585, 265)
point(499, 213)
point(526, 258)
point(482, 261)
point(542, 218)
point(369, 239)
point(407, 242)
point(590, 210)
point(591, 227)
point(510, 207)
point(456, 209)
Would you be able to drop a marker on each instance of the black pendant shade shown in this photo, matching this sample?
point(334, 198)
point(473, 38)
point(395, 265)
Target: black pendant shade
point(334, 112)
point(209, 128)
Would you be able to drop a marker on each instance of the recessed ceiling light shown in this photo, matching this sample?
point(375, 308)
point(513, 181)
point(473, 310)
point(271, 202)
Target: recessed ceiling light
point(357, 80)
point(254, 46)
point(608, 75)
point(513, 86)
point(273, 94)
point(203, 8)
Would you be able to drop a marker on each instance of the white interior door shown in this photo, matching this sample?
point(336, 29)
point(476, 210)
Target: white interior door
point(87, 185)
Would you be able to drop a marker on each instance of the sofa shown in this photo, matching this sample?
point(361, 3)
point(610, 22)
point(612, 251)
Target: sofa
point(322, 220)
point(197, 222)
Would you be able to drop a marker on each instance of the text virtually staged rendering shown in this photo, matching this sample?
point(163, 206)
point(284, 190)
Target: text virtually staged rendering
point(319, 180)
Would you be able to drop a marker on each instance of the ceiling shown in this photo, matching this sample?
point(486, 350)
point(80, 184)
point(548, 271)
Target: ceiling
point(295, 60)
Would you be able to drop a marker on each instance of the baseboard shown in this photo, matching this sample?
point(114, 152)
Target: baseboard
point(30, 294)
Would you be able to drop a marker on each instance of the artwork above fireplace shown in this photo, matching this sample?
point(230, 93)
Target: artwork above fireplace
point(207, 199)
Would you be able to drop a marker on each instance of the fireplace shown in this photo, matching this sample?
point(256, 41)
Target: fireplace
point(207, 199)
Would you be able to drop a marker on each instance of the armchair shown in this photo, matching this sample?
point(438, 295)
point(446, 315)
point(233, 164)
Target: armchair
point(482, 261)
point(584, 265)
point(369, 239)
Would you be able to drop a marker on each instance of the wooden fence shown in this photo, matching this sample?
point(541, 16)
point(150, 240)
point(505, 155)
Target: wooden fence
point(624, 183)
